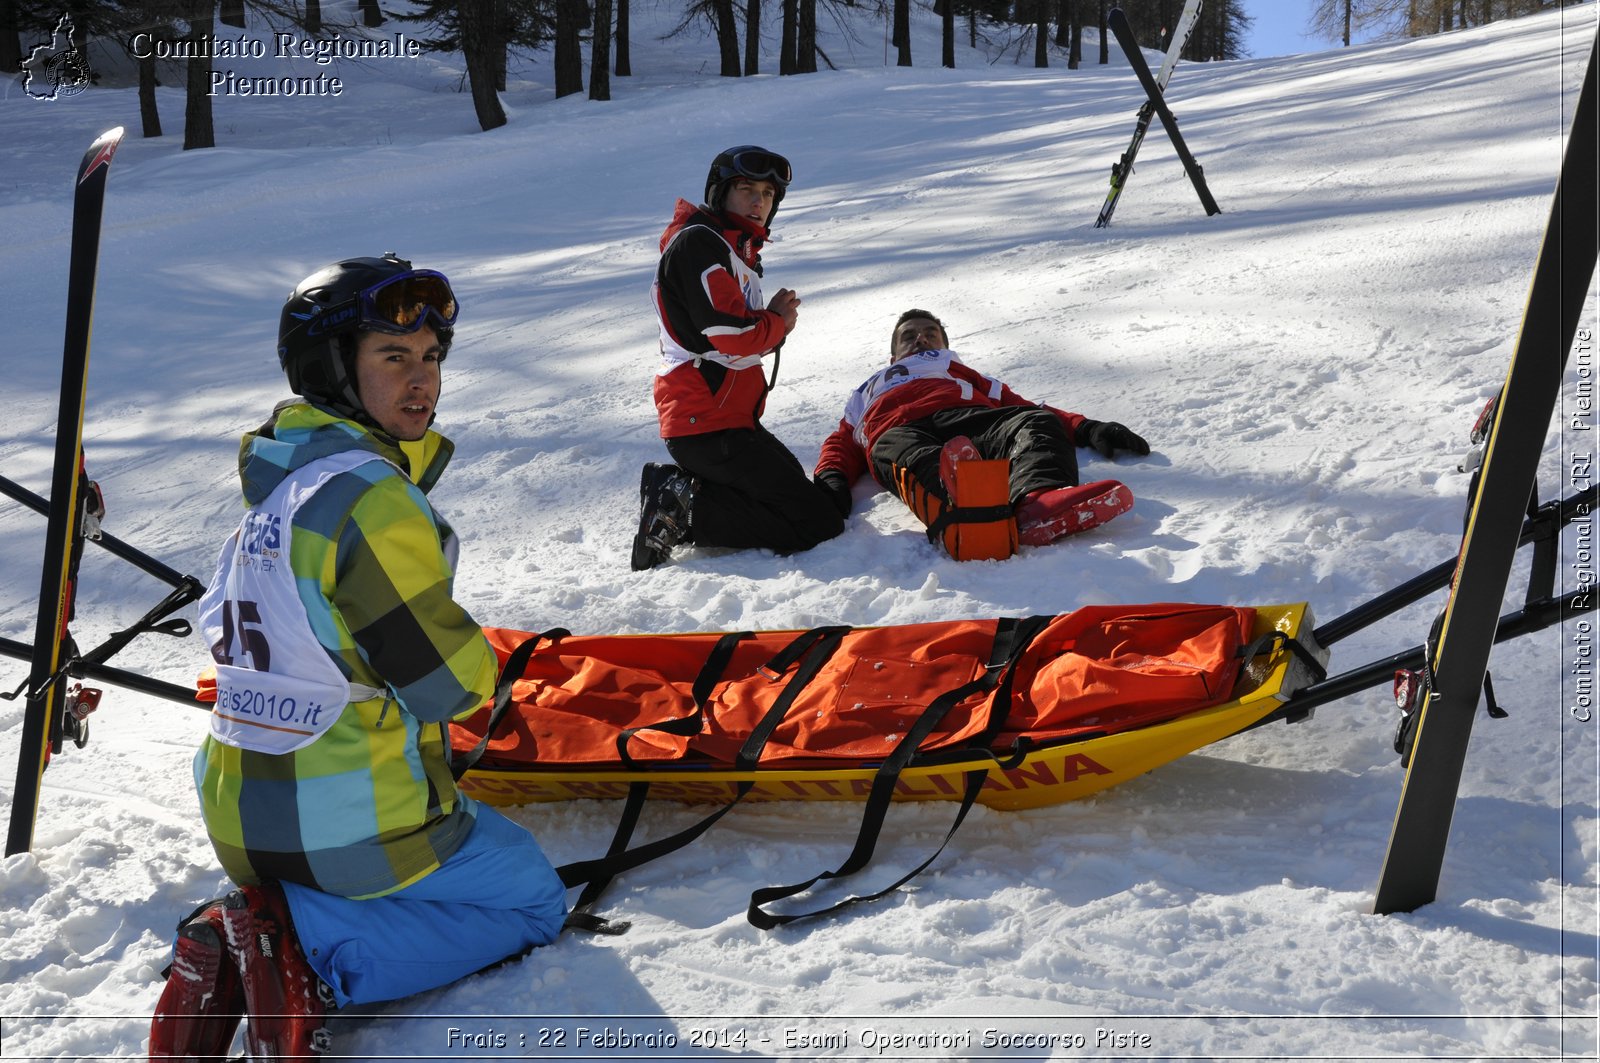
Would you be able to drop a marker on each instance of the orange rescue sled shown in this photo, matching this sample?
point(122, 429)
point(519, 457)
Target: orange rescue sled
point(1042, 710)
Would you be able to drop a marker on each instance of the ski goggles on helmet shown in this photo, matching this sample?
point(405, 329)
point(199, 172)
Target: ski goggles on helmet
point(760, 165)
point(403, 304)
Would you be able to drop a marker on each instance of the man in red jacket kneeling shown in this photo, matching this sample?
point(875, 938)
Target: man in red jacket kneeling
point(733, 483)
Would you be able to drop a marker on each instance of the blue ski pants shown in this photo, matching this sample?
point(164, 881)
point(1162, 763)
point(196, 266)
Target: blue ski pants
point(495, 897)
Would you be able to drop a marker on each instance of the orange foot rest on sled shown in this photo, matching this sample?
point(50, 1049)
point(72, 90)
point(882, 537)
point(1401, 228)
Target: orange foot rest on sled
point(978, 524)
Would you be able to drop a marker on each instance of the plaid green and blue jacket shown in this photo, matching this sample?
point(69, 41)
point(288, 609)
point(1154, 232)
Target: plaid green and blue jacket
point(370, 807)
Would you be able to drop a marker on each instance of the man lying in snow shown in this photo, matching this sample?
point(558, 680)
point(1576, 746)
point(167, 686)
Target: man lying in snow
point(917, 422)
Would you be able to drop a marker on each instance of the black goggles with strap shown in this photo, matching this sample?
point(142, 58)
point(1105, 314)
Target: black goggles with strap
point(762, 166)
point(403, 304)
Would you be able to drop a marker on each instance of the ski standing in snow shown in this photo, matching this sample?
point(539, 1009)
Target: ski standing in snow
point(48, 712)
point(1122, 169)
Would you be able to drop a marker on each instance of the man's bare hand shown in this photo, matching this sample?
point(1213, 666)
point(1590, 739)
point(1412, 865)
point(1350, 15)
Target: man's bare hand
point(786, 304)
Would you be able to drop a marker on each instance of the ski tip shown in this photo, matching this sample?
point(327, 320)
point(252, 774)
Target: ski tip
point(100, 152)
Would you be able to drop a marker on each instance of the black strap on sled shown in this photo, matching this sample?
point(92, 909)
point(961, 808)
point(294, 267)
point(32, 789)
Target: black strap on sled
point(704, 683)
point(1012, 638)
point(953, 514)
point(806, 654)
point(516, 664)
point(1272, 641)
point(582, 916)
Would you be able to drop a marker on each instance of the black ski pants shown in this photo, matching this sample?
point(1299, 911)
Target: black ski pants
point(1042, 454)
point(753, 492)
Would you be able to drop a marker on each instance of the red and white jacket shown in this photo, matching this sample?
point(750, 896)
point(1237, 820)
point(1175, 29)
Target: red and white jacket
point(912, 388)
point(714, 325)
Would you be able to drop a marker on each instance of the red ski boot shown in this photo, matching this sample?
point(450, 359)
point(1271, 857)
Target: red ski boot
point(200, 1008)
point(1045, 516)
point(288, 1003)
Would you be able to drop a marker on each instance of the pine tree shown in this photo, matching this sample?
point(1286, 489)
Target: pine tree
point(198, 131)
point(752, 37)
point(478, 46)
point(571, 15)
point(805, 45)
point(600, 52)
point(624, 63)
point(483, 31)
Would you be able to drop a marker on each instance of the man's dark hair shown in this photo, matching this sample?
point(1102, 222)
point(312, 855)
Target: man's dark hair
point(909, 315)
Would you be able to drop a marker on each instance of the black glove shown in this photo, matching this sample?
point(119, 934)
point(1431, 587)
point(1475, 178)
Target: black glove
point(1108, 437)
point(837, 488)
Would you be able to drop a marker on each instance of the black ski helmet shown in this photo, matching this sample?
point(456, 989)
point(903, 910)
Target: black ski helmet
point(325, 313)
point(750, 162)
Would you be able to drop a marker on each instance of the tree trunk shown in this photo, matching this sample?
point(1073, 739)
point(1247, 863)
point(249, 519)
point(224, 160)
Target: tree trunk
point(805, 47)
point(752, 37)
point(1041, 36)
point(198, 131)
point(600, 52)
point(231, 13)
point(501, 43)
point(787, 42)
point(478, 38)
point(10, 42)
point(727, 37)
point(149, 116)
point(371, 13)
point(947, 55)
point(624, 66)
point(1105, 36)
point(313, 17)
point(902, 32)
point(568, 60)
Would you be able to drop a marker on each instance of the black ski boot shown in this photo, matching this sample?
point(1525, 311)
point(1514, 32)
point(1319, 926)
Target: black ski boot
point(666, 499)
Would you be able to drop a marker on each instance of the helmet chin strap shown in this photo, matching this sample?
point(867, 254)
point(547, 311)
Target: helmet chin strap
point(341, 395)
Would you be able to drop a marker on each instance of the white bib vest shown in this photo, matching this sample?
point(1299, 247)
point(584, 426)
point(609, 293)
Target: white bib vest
point(674, 355)
point(277, 688)
point(924, 365)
